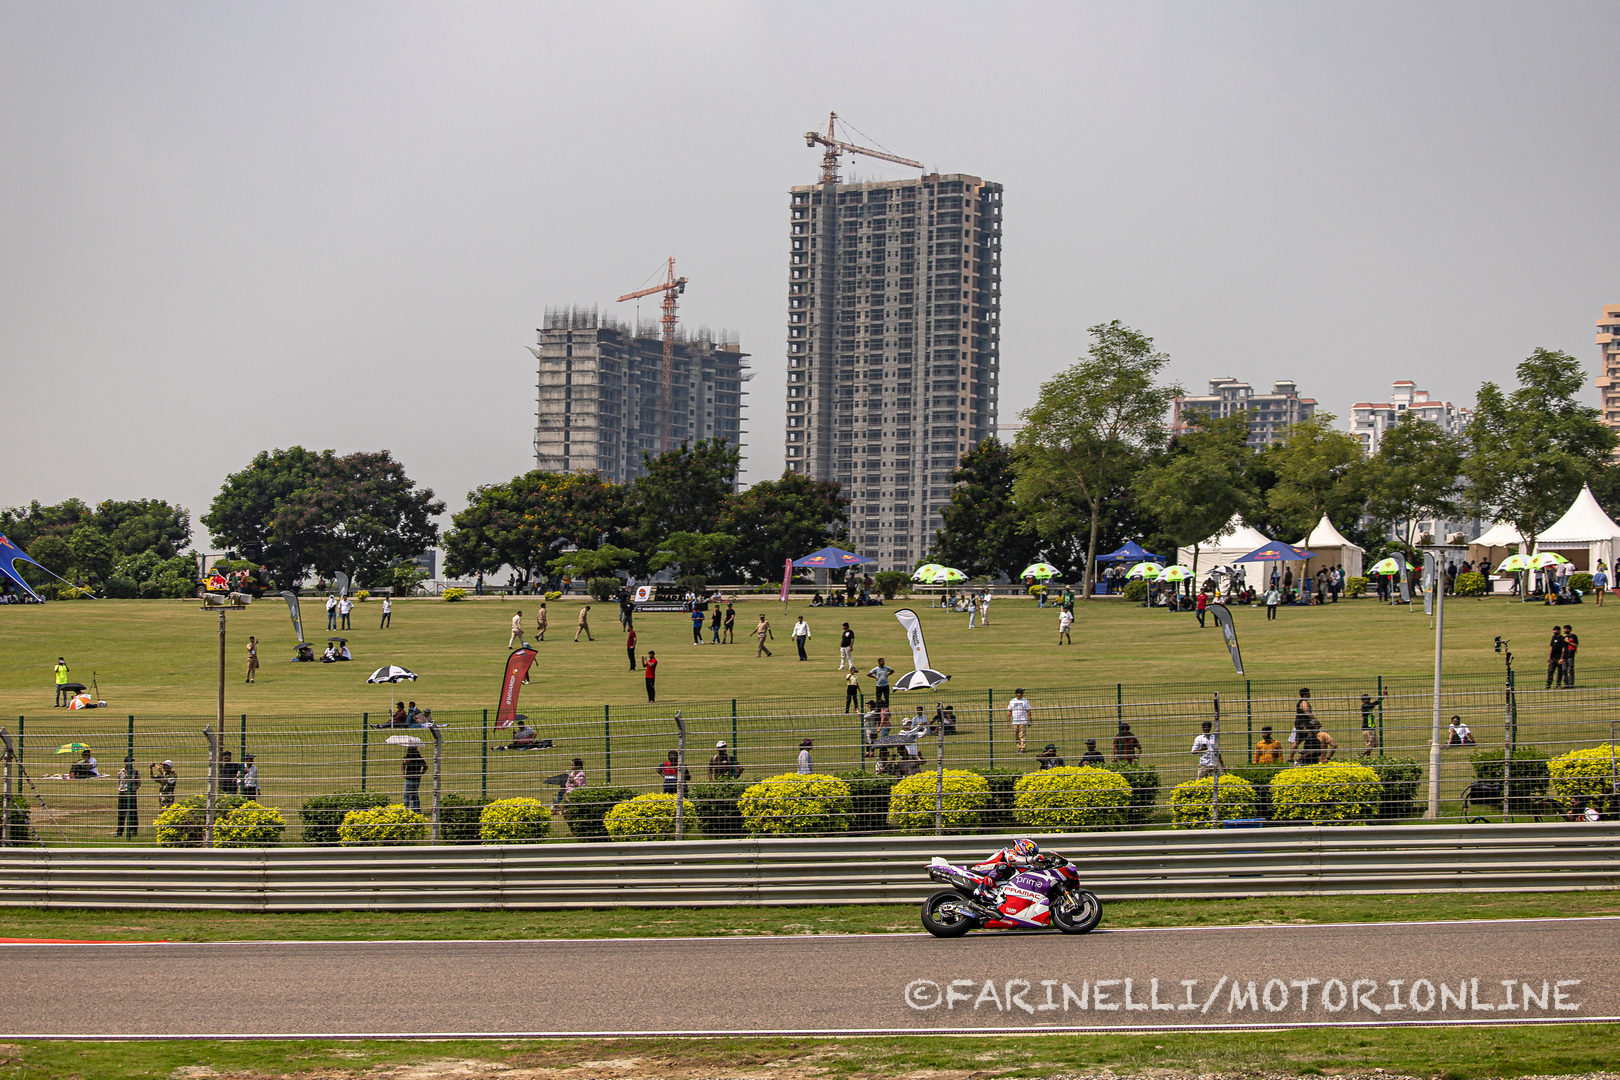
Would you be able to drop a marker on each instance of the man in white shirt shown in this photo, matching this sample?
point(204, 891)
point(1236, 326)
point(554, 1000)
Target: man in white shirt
point(331, 611)
point(387, 613)
point(1207, 747)
point(801, 634)
point(1065, 621)
point(804, 758)
point(345, 606)
point(1018, 713)
point(517, 632)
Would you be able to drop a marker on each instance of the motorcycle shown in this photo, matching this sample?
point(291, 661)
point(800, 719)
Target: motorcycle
point(1044, 895)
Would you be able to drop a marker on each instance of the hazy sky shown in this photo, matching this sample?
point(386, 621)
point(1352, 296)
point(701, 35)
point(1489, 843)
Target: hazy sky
point(229, 227)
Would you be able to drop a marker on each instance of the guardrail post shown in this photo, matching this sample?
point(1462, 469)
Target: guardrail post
point(365, 742)
point(607, 743)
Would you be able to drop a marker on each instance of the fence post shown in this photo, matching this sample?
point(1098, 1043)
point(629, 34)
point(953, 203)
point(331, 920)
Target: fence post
point(131, 743)
point(483, 761)
point(213, 786)
point(438, 744)
point(607, 742)
point(990, 723)
point(939, 783)
point(365, 743)
point(244, 749)
point(1248, 718)
point(734, 725)
point(1380, 716)
point(1119, 705)
point(17, 779)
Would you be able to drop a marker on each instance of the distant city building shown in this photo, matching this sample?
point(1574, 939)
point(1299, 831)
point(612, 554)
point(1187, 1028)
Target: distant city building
point(1269, 415)
point(1608, 380)
point(893, 347)
point(599, 385)
point(1369, 419)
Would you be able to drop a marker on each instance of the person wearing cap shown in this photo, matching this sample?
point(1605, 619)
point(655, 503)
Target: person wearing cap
point(720, 766)
point(1048, 757)
point(1267, 751)
point(163, 772)
point(1092, 756)
point(805, 767)
point(1370, 729)
point(1018, 714)
point(250, 777)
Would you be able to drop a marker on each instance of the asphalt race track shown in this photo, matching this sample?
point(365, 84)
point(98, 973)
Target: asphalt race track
point(1534, 971)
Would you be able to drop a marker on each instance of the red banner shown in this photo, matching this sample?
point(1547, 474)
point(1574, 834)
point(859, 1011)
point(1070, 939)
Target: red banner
point(787, 578)
point(517, 669)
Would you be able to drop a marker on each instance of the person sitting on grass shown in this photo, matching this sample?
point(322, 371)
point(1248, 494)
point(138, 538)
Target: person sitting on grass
point(524, 738)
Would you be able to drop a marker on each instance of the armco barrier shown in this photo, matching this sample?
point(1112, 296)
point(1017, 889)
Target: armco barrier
point(1292, 861)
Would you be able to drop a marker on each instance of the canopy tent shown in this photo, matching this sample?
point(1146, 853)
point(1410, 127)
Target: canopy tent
point(1585, 534)
point(1278, 552)
point(1332, 549)
point(1132, 552)
point(1227, 546)
point(830, 558)
point(1495, 544)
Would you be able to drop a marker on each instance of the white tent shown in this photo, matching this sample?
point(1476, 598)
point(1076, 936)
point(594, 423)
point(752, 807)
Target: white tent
point(1585, 535)
point(1331, 549)
point(1232, 543)
point(1495, 543)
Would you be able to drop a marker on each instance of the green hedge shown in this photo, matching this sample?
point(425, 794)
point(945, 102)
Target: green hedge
point(1398, 783)
point(322, 814)
point(1472, 583)
point(869, 801)
point(999, 816)
point(1356, 586)
point(793, 804)
point(604, 589)
point(1581, 583)
point(585, 807)
point(521, 820)
point(1530, 770)
point(651, 817)
point(1072, 797)
point(1136, 590)
point(1328, 794)
point(1259, 778)
point(383, 825)
point(1144, 781)
point(459, 819)
point(1582, 774)
point(1190, 802)
point(249, 825)
point(185, 823)
point(965, 797)
point(22, 831)
point(716, 803)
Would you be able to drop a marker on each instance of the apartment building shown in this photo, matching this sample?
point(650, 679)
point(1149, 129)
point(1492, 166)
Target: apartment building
point(1269, 415)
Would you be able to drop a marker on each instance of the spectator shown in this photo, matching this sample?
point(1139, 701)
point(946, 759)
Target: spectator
point(945, 717)
point(1326, 744)
point(630, 646)
point(1555, 657)
point(524, 737)
point(762, 630)
point(1018, 715)
point(649, 667)
point(1092, 756)
point(1571, 643)
point(722, 766)
point(846, 649)
point(252, 658)
point(1267, 751)
point(852, 690)
point(414, 767)
point(1370, 726)
point(84, 768)
point(574, 780)
point(1127, 747)
point(1458, 734)
point(250, 777)
point(584, 625)
point(869, 728)
point(801, 635)
point(63, 694)
point(1207, 747)
point(129, 782)
point(805, 766)
point(1048, 757)
point(880, 675)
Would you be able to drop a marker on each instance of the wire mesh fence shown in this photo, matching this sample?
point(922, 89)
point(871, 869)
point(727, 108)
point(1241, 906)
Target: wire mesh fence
point(65, 784)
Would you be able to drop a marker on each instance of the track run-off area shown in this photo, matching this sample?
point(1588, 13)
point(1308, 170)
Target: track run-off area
point(1535, 971)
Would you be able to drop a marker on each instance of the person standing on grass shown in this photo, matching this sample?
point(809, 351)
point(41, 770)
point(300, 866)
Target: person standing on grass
point(1600, 583)
point(630, 646)
point(250, 777)
point(697, 625)
point(846, 649)
point(345, 606)
point(1369, 724)
point(1018, 714)
point(331, 611)
point(584, 626)
point(762, 630)
point(61, 670)
point(252, 658)
point(801, 634)
point(1208, 749)
point(730, 625)
point(1127, 747)
point(387, 613)
point(1273, 598)
point(649, 666)
point(714, 625)
point(540, 620)
point(516, 637)
point(1555, 657)
point(1201, 606)
point(230, 774)
point(1571, 643)
point(880, 676)
point(1065, 621)
point(984, 608)
point(129, 782)
point(414, 767)
point(852, 691)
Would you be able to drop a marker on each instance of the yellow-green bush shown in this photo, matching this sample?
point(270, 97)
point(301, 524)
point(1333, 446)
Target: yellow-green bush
point(453, 595)
point(791, 804)
point(966, 797)
point(1190, 802)
point(651, 817)
point(383, 825)
point(514, 821)
point(1071, 797)
point(249, 825)
point(1581, 774)
point(1328, 794)
point(185, 823)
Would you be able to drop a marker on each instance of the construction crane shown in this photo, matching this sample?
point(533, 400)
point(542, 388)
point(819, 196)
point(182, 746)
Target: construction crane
point(836, 146)
point(671, 287)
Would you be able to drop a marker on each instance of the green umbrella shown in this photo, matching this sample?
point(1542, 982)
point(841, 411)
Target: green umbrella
point(1515, 563)
point(1175, 573)
point(1543, 559)
point(925, 572)
point(1148, 571)
point(1040, 571)
point(1390, 565)
point(939, 575)
point(73, 748)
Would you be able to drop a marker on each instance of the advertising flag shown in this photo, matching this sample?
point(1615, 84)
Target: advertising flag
point(517, 669)
point(787, 578)
point(292, 610)
point(923, 677)
point(1223, 619)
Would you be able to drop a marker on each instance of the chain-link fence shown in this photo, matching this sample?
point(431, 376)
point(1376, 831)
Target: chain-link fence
point(63, 770)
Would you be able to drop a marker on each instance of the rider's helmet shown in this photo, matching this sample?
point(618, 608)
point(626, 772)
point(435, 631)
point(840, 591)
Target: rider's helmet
point(1026, 848)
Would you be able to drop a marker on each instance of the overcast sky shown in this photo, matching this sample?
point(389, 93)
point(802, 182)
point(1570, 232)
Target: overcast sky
point(230, 227)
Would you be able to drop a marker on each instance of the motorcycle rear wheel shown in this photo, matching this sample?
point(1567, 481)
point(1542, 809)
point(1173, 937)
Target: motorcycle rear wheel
point(1078, 912)
point(946, 921)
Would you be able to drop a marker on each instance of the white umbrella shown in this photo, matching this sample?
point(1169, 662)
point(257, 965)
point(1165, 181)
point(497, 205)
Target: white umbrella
point(1543, 559)
point(392, 674)
point(403, 740)
point(1147, 570)
point(1175, 573)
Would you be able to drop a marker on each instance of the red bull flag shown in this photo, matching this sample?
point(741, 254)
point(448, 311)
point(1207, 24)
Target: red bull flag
point(517, 669)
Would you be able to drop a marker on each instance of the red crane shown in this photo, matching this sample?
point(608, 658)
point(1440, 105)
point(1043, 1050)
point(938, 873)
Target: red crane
point(671, 287)
point(836, 146)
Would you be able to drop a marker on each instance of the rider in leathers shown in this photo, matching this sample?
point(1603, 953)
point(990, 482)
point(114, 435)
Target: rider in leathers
point(1003, 865)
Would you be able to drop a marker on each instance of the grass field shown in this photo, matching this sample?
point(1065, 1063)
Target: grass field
point(157, 661)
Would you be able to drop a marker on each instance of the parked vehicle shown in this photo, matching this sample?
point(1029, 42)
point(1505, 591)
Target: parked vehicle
point(1044, 895)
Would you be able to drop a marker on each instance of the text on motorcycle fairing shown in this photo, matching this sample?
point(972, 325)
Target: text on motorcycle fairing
point(1231, 997)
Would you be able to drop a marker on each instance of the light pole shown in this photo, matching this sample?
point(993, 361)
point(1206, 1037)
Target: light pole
point(222, 603)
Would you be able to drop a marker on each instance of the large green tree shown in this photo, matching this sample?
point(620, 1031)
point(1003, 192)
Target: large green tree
point(1203, 480)
point(297, 510)
point(777, 520)
point(1413, 476)
point(1529, 451)
point(983, 531)
point(76, 540)
point(526, 521)
point(1316, 469)
point(683, 490)
point(1090, 429)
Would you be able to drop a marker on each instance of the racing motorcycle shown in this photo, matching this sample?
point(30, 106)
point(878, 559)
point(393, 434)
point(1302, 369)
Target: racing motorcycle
point(1044, 895)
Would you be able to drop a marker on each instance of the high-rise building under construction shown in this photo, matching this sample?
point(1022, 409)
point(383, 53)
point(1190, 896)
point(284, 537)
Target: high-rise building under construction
point(600, 389)
point(893, 350)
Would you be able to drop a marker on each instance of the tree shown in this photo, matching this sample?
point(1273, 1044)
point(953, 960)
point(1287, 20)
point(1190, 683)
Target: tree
point(1317, 470)
point(683, 490)
point(78, 541)
point(1087, 432)
point(777, 520)
point(524, 522)
point(984, 532)
point(1200, 483)
point(591, 562)
point(1413, 476)
point(1530, 451)
point(296, 510)
point(693, 552)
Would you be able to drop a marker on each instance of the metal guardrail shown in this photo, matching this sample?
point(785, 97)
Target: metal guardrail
point(1295, 861)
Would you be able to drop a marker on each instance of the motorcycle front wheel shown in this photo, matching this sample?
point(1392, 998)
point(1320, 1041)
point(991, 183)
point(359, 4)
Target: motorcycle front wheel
point(1077, 912)
point(942, 914)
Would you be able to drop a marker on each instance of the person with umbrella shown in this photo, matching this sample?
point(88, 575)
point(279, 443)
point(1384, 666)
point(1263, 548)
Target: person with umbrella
point(85, 767)
point(414, 766)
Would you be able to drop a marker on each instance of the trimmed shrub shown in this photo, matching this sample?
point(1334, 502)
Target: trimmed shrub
point(1136, 590)
point(322, 814)
point(452, 595)
point(185, 824)
point(1072, 797)
point(460, 819)
point(1582, 774)
point(651, 817)
point(869, 801)
point(604, 589)
point(22, 831)
point(380, 825)
point(119, 587)
point(1144, 781)
point(911, 804)
point(1259, 778)
point(1472, 583)
point(1398, 781)
point(1354, 587)
point(998, 817)
point(890, 582)
point(795, 805)
point(1581, 583)
point(250, 825)
point(554, 594)
point(1530, 772)
point(716, 803)
point(1190, 802)
point(1328, 794)
point(585, 807)
point(514, 821)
